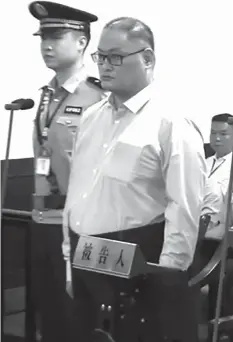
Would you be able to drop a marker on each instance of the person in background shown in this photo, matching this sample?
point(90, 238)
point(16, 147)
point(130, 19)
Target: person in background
point(64, 35)
point(138, 175)
point(218, 165)
point(218, 171)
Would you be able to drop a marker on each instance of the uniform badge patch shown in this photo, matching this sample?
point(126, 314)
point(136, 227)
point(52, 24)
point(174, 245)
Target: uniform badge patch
point(73, 110)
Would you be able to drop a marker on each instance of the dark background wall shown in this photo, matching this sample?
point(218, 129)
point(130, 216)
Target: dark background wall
point(14, 230)
point(208, 150)
point(19, 184)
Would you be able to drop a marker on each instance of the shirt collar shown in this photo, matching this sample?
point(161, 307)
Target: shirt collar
point(227, 156)
point(73, 82)
point(135, 103)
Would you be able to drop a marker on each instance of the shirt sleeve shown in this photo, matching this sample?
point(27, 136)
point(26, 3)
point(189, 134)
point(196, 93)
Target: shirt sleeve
point(184, 172)
point(213, 200)
point(65, 224)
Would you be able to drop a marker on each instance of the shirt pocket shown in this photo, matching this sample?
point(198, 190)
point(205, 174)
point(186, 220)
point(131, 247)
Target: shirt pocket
point(120, 164)
point(66, 131)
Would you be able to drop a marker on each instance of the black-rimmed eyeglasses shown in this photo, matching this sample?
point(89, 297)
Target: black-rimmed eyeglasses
point(113, 59)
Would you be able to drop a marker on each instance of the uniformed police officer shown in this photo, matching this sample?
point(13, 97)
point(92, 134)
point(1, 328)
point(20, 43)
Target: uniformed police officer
point(65, 34)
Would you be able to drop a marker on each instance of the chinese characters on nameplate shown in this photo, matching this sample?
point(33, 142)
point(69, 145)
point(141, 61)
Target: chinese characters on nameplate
point(104, 256)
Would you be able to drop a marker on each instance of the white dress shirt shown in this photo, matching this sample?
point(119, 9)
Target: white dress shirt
point(218, 170)
point(213, 200)
point(133, 166)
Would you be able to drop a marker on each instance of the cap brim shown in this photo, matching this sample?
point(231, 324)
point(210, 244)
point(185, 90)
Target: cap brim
point(38, 33)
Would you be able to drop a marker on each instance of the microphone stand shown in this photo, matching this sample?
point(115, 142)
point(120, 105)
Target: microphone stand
point(15, 105)
point(6, 167)
point(3, 197)
point(224, 250)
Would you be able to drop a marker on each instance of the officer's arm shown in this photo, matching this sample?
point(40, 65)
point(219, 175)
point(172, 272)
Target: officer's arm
point(224, 188)
point(88, 115)
point(66, 239)
point(184, 172)
point(65, 225)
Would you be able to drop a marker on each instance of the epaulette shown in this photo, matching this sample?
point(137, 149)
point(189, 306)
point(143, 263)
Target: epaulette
point(95, 81)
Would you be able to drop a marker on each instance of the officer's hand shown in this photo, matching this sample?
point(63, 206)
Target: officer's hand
point(69, 289)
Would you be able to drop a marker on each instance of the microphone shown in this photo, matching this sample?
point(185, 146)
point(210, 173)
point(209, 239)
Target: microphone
point(20, 104)
point(15, 105)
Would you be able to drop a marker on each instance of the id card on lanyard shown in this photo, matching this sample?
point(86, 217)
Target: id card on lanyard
point(43, 166)
point(43, 161)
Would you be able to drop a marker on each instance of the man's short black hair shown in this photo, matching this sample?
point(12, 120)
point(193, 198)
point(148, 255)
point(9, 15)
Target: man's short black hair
point(135, 29)
point(221, 117)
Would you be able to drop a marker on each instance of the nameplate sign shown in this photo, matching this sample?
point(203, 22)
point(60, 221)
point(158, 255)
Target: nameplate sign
point(117, 258)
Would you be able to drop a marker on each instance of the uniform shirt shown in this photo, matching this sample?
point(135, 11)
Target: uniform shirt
point(213, 200)
point(218, 170)
point(133, 166)
point(73, 97)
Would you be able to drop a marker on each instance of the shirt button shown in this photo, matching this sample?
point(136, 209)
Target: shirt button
point(105, 145)
point(68, 122)
point(77, 223)
point(117, 121)
point(84, 195)
point(56, 100)
point(95, 170)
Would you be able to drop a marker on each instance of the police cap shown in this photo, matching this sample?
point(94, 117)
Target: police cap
point(58, 16)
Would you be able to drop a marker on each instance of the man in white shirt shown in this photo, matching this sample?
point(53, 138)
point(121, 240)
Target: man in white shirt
point(138, 174)
point(218, 165)
point(218, 168)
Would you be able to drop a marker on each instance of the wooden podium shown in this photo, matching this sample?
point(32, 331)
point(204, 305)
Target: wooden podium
point(118, 259)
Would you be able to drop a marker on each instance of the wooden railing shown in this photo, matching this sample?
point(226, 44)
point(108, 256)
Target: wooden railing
point(200, 279)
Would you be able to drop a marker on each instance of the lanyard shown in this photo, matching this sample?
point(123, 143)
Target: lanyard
point(214, 170)
point(49, 118)
point(45, 101)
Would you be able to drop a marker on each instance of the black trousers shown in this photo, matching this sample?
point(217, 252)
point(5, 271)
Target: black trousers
point(163, 310)
point(49, 295)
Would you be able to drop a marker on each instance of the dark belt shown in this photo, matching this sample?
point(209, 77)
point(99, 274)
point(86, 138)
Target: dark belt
point(149, 238)
point(48, 202)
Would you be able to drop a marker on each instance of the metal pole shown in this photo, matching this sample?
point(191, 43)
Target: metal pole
point(6, 167)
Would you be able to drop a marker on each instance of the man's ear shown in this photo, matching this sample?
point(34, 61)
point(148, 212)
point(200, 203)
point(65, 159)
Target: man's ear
point(81, 43)
point(149, 58)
